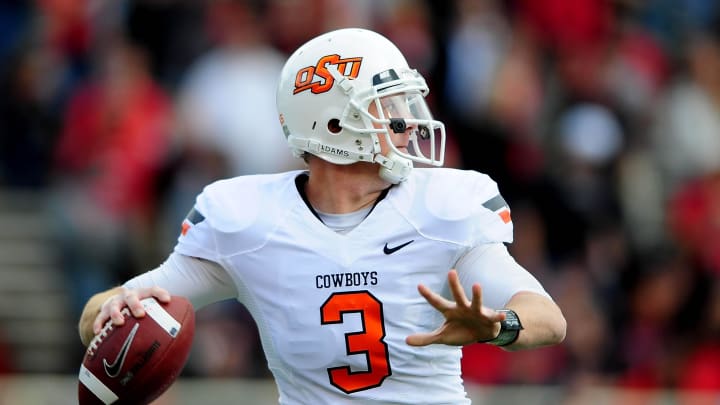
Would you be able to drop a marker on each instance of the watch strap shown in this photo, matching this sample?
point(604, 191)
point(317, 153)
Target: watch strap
point(510, 328)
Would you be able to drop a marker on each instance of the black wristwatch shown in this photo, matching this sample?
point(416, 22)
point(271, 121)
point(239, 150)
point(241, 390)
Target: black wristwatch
point(509, 329)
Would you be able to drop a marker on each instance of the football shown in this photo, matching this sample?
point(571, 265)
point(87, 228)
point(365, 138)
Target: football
point(136, 362)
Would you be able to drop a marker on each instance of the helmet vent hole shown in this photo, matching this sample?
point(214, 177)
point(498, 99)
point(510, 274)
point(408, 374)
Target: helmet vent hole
point(314, 124)
point(334, 126)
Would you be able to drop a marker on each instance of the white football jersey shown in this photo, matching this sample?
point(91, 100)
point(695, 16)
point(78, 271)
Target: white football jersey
point(333, 309)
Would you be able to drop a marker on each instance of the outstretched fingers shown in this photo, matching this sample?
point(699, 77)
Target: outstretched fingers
point(476, 304)
point(420, 339)
point(457, 290)
point(477, 307)
point(434, 299)
point(424, 339)
point(466, 320)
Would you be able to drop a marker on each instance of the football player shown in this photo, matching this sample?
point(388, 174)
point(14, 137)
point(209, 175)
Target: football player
point(365, 276)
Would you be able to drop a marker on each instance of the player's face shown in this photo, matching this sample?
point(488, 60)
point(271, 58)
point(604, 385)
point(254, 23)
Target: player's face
point(395, 106)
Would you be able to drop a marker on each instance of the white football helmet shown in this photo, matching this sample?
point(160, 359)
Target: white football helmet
point(341, 91)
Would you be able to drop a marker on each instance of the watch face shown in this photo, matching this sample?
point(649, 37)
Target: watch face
point(511, 322)
point(509, 329)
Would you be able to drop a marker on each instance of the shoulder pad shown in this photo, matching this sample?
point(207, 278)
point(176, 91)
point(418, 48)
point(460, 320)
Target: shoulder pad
point(234, 215)
point(461, 206)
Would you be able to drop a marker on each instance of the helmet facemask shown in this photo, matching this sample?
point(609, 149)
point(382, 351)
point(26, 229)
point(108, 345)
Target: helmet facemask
point(393, 104)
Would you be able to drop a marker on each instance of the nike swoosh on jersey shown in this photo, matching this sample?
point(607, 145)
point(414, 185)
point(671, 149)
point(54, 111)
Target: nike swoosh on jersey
point(113, 370)
point(391, 250)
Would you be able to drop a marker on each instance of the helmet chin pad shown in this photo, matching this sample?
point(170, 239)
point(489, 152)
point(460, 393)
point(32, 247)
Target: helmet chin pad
point(393, 168)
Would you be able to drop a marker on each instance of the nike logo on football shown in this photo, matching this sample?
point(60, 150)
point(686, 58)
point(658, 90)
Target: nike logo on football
point(113, 370)
point(391, 250)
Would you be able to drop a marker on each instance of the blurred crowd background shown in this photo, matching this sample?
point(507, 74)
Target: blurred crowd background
point(599, 119)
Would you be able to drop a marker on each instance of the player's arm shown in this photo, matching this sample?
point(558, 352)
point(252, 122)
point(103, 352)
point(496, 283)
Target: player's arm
point(495, 283)
point(507, 285)
point(542, 321)
point(201, 281)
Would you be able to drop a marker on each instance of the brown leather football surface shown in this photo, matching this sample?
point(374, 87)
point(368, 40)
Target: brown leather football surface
point(136, 362)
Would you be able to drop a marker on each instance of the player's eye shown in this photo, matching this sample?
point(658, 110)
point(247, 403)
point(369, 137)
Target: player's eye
point(393, 106)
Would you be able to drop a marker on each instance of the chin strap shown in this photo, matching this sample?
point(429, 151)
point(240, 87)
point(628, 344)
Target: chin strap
point(394, 168)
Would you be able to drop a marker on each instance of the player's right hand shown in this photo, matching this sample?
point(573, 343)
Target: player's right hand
point(111, 309)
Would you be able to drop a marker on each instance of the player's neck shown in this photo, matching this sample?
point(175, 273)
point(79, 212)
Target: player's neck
point(342, 189)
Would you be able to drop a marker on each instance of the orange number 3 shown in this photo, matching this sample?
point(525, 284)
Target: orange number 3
point(369, 341)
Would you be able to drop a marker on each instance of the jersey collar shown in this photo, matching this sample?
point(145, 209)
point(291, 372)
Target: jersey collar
point(301, 181)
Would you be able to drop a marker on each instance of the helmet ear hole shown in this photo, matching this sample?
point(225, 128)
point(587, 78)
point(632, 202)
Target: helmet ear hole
point(334, 126)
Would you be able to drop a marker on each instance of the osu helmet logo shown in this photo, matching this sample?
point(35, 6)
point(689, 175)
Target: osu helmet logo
point(318, 79)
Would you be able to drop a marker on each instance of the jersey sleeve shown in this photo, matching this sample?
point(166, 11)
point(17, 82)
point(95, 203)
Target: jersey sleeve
point(491, 213)
point(202, 282)
point(497, 272)
point(197, 237)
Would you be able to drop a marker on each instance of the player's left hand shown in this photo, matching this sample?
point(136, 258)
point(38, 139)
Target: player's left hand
point(466, 321)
